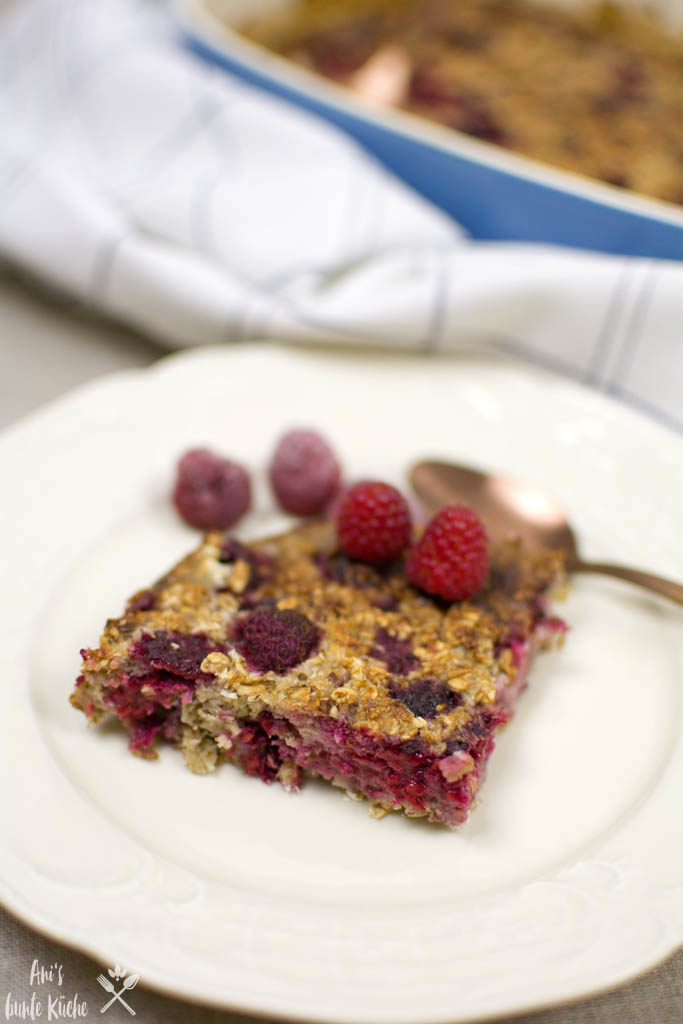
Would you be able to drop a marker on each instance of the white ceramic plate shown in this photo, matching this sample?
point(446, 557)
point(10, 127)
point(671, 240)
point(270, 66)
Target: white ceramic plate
point(567, 878)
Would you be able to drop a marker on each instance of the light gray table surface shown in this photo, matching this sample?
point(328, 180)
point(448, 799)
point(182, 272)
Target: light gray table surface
point(48, 346)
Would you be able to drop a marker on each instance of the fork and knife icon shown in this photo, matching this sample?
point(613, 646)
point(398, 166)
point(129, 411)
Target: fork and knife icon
point(130, 982)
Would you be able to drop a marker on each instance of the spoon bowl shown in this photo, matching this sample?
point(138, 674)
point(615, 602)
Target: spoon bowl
point(510, 507)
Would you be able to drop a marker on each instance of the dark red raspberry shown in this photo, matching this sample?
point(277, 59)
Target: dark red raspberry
point(451, 559)
point(179, 653)
point(373, 522)
point(304, 473)
point(211, 493)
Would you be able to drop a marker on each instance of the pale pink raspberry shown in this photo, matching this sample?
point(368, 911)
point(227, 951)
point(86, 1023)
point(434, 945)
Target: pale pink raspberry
point(304, 473)
point(211, 492)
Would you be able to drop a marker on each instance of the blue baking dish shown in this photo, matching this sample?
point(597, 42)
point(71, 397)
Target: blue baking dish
point(492, 193)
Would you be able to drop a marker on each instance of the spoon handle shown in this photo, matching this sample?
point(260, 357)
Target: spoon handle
point(674, 591)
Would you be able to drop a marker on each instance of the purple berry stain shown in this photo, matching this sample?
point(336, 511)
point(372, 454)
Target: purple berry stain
point(271, 640)
point(260, 565)
point(396, 654)
point(143, 602)
point(426, 698)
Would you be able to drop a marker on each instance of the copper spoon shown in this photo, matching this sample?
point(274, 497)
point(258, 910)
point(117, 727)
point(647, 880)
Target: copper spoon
point(508, 506)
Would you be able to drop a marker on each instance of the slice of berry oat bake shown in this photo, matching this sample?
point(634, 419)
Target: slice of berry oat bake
point(290, 659)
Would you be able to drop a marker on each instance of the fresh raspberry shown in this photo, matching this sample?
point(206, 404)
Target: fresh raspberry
point(304, 473)
point(211, 492)
point(373, 522)
point(451, 559)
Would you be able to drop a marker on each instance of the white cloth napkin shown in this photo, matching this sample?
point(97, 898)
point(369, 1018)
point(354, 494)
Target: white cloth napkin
point(200, 210)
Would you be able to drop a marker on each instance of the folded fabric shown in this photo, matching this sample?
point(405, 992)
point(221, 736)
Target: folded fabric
point(200, 210)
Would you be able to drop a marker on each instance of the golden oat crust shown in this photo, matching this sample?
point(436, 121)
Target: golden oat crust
point(457, 645)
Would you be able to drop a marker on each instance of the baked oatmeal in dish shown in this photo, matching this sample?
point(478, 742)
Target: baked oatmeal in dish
point(596, 89)
point(290, 659)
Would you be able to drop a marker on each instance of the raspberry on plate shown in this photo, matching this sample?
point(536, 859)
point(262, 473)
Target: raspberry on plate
point(373, 522)
point(451, 559)
point(304, 473)
point(211, 492)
